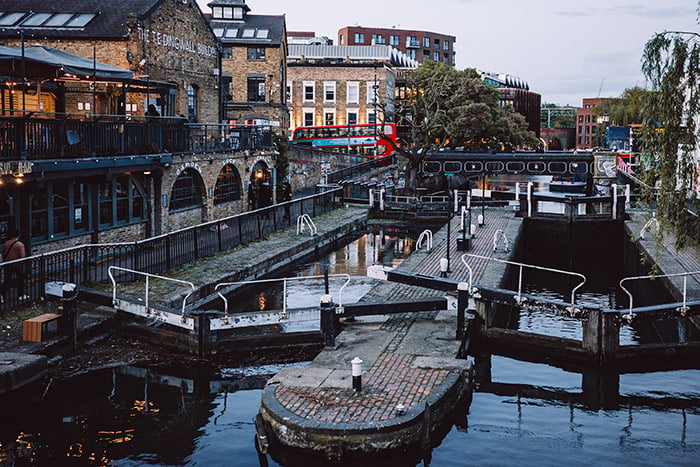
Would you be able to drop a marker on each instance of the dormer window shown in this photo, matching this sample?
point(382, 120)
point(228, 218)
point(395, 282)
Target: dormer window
point(226, 12)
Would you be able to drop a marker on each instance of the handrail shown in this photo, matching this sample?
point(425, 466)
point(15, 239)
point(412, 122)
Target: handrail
point(306, 219)
point(648, 225)
point(147, 276)
point(499, 234)
point(519, 299)
point(683, 309)
point(426, 235)
point(284, 287)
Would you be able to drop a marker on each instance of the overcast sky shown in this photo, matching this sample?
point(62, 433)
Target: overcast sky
point(564, 49)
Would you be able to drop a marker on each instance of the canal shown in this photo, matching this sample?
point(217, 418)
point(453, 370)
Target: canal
point(529, 414)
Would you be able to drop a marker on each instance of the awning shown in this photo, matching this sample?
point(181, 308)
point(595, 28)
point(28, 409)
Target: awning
point(45, 62)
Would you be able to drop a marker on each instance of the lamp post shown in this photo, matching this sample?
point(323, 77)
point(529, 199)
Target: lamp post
point(602, 119)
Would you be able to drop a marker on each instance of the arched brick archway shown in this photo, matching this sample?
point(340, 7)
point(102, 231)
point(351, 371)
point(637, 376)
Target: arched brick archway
point(228, 185)
point(260, 186)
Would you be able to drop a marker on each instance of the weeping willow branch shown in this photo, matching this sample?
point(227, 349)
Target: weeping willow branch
point(671, 63)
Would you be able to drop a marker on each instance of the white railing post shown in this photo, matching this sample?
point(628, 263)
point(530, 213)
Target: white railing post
point(614, 201)
point(529, 199)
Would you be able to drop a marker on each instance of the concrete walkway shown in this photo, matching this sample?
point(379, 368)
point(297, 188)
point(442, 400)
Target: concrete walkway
point(667, 257)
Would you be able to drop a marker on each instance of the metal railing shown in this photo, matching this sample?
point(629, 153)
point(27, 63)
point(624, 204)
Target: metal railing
point(303, 222)
point(147, 289)
point(69, 136)
point(519, 299)
point(284, 281)
point(682, 309)
point(90, 263)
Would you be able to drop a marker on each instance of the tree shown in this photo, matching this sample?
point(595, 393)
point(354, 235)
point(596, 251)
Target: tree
point(671, 63)
point(625, 110)
point(447, 108)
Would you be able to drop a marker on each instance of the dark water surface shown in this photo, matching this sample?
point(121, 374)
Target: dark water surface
point(528, 414)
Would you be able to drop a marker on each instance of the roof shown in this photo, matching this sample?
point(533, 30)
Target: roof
point(350, 54)
point(42, 62)
point(264, 29)
point(98, 19)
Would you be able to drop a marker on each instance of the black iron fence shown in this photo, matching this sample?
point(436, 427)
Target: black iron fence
point(66, 137)
point(90, 263)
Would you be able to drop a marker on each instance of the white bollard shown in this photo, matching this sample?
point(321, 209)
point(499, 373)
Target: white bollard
point(444, 266)
point(356, 373)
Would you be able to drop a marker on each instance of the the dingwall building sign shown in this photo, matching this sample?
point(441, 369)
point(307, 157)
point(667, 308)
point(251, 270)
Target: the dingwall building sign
point(175, 42)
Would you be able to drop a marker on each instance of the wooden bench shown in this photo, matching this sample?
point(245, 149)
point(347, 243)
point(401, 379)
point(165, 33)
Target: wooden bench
point(34, 329)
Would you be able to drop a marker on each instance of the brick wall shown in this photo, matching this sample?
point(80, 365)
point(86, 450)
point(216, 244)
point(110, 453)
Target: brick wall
point(299, 73)
point(207, 168)
point(193, 64)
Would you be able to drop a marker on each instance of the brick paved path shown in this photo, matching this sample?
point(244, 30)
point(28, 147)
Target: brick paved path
point(393, 377)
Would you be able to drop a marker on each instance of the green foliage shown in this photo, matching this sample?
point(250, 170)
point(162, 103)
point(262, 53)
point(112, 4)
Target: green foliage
point(448, 108)
point(671, 62)
point(626, 110)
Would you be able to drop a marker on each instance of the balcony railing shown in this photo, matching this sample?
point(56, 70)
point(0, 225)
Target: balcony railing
point(71, 136)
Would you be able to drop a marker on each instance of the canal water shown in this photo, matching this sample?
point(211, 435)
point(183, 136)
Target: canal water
point(529, 414)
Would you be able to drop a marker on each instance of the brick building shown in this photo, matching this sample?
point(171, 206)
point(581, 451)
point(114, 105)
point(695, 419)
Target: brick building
point(586, 123)
point(515, 93)
point(254, 63)
point(335, 85)
point(166, 43)
point(95, 174)
point(418, 45)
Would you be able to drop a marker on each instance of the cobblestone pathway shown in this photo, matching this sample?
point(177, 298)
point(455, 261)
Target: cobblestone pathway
point(392, 379)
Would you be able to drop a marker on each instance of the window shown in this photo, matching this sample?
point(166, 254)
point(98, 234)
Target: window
point(237, 13)
point(309, 91)
point(342, 39)
point(436, 56)
point(580, 128)
point(329, 91)
point(371, 117)
point(228, 185)
point(227, 12)
point(378, 39)
point(59, 19)
point(256, 89)
point(262, 34)
point(372, 92)
point(192, 102)
point(329, 117)
point(35, 19)
point(411, 53)
point(353, 92)
point(437, 43)
point(352, 118)
point(289, 91)
point(217, 12)
point(120, 201)
point(248, 33)
point(218, 32)
point(426, 41)
point(308, 118)
point(256, 53)
point(185, 193)
point(227, 53)
point(445, 45)
point(412, 41)
point(588, 119)
point(580, 118)
point(359, 38)
point(231, 33)
point(393, 40)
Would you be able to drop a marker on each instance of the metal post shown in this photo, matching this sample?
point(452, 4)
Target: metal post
point(462, 305)
point(327, 321)
point(483, 198)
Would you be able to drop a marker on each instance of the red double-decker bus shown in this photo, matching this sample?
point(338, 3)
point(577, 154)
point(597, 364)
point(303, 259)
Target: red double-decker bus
point(354, 139)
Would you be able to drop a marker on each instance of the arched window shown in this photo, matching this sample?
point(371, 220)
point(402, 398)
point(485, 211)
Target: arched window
point(192, 110)
point(228, 185)
point(186, 192)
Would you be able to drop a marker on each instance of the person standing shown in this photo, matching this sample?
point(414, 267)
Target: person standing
point(13, 249)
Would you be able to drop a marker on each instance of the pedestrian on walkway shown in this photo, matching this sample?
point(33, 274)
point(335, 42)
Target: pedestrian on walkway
point(13, 249)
